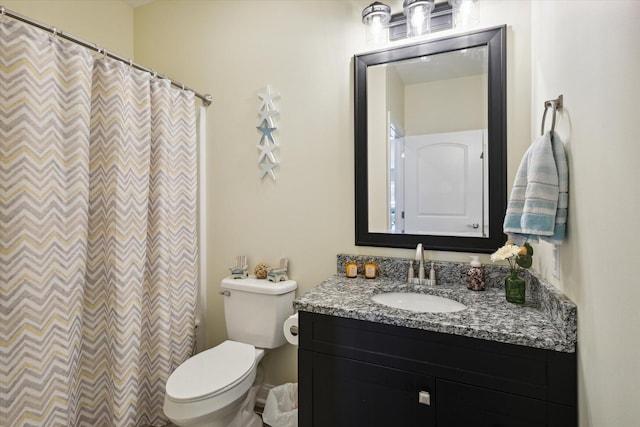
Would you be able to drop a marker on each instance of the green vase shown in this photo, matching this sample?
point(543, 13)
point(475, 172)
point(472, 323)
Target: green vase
point(514, 288)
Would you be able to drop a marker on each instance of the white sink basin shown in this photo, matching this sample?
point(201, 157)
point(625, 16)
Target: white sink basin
point(414, 301)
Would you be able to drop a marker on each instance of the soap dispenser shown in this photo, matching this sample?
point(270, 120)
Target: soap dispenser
point(475, 275)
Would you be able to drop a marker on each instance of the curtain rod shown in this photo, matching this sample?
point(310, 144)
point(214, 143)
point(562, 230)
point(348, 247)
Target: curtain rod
point(206, 98)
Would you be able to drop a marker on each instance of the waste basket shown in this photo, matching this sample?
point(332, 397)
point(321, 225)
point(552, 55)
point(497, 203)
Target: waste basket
point(281, 406)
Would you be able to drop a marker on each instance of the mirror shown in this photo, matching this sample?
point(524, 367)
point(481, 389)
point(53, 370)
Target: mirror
point(430, 144)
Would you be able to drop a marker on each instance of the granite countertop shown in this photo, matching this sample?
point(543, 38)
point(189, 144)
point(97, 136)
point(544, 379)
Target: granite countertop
point(544, 322)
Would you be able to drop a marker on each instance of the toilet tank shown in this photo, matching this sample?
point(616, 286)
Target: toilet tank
point(255, 310)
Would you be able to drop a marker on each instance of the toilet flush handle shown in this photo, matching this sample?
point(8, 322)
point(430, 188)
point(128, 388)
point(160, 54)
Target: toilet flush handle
point(225, 293)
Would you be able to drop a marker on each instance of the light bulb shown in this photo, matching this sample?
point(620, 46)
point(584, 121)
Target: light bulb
point(465, 13)
point(376, 31)
point(417, 19)
point(418, 13)
point(375, 17)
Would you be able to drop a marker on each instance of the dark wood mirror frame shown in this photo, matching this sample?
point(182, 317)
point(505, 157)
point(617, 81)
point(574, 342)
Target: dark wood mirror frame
point(495, 40)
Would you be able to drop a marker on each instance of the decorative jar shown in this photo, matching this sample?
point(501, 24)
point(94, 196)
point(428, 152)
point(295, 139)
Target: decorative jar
point(352, 269)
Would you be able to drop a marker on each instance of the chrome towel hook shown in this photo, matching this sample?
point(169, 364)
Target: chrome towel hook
point(554, 104)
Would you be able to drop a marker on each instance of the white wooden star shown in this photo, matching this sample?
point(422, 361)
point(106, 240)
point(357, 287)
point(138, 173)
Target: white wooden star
point(267, 116)
point(266, 167)
point(267, 99)
point(266, 150)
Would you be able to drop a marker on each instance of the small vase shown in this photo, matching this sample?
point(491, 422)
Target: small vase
point(514, 288)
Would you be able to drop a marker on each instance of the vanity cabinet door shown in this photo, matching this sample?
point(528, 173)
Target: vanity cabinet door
point(349, 393)
point(461, 405)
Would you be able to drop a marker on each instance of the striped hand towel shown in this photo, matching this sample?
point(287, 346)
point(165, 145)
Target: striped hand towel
point(537, 207)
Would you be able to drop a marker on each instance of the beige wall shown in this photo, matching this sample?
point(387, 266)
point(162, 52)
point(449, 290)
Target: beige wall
point(378, 111)
point(440, 102)
point(395, 98)
point(106, 22)
point(590, 53)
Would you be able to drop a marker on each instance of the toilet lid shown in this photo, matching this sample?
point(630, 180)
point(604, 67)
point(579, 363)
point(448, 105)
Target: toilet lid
point(211, 372)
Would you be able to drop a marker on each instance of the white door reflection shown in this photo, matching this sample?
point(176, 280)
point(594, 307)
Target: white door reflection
point(443, 178)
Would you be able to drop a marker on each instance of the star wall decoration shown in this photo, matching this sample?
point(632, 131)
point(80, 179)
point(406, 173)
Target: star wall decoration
point(267, 116)
point(267, 99)
point(266, 167)
point(266, 133)
point(266, 150)
point(267, 110)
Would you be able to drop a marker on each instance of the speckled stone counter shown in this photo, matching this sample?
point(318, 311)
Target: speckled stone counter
point(548, 320)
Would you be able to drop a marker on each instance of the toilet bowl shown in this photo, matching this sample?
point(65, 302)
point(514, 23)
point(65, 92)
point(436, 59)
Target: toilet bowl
point(216, 388)
point(209, 388)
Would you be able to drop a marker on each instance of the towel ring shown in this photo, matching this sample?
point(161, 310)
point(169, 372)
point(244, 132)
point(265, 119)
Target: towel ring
point(555, 104)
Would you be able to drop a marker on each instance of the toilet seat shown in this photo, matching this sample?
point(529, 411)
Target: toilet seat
point(211, 372)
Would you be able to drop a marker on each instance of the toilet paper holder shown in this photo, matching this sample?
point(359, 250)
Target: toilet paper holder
point(290, 329)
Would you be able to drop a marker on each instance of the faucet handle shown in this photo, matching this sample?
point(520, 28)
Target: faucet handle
point(410, 273)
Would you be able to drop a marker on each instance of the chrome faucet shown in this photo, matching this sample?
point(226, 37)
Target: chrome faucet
point(421, 279)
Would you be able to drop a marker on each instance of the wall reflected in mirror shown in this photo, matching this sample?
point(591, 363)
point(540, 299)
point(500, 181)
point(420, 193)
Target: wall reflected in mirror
point(427, 154)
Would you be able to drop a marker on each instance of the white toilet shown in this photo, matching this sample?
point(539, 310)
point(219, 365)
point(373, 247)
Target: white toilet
point(210, 388)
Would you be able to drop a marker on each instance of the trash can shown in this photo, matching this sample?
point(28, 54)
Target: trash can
point(281, 406)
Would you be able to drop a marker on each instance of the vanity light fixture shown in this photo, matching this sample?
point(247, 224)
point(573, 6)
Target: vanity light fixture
point(418, 18)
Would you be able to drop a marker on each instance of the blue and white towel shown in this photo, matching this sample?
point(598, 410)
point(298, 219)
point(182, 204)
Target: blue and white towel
point(537, 208)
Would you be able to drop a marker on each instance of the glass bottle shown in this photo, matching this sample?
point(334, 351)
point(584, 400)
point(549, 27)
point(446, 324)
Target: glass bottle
point(514, 288)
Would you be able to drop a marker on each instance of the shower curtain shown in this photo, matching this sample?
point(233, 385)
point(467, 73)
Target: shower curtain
point(98, 261)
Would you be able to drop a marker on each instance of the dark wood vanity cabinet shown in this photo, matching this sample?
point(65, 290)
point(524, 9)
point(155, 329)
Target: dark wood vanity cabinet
point(359, 373)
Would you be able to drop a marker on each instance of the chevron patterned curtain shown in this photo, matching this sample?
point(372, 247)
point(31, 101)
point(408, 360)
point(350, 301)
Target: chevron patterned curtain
point(98, 261)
